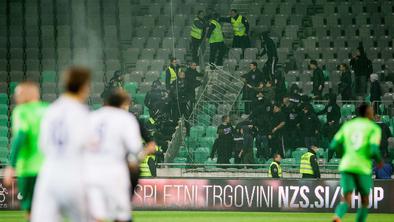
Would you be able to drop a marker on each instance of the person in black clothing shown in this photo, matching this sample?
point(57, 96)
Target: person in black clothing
point(333, 112)
point(171, 72)
point(276, 133)
point(248, 138)
point(376, 92)
point(241, 38)
point(274, 168)
point(345, 86)
point(223, 145)
point(269, 48)
point(253, 81)
point(197, 34)
point(315, 165)
point(156, 99)
point(317, 79)
point(238, 143)
point(309, 125)
point(291, 112)
point(362, 68)
point(280, 86)
point(192, 83)
point(261, 118)
point(386, 134)
point(180, 97)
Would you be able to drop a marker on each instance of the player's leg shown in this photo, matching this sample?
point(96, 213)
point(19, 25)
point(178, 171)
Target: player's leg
point(363, 185)
point(97, 204)
point(45, 207)
point(26, 189)
point(121, 201)
point(348, 185)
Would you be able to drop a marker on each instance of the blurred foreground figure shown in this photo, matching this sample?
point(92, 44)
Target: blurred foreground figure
point(60, 185)
point(360, 140)
point(115, 135)
point(26, 157)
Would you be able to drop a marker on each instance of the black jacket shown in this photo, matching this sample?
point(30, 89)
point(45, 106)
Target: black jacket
point(191, 81)
point(361, 65)
point(318, 80)
point(376, 91)
point(309, 124)
point(253, 78)
point(345, 86)
point(333, 112)
point(269, 48)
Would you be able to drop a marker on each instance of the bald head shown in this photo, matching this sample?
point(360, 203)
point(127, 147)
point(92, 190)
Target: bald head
point(26, 92)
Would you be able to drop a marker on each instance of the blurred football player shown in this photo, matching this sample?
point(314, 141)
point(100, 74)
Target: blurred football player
point(26, 157)
point(359, 139)
point(116, 136)
point(60, 190)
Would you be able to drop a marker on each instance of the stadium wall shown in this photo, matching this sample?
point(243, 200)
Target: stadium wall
point(288, 195)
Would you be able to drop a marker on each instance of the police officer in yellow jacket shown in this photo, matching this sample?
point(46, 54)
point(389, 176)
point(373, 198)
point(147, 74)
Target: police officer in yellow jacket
point(309, 167)
point(197, 34)
point(148, 165)
point(216, 41)
point(171, 72)
point(275, 170)
point(240, 29)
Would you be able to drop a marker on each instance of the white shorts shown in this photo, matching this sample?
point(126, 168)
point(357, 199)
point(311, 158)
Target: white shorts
point(109, 195)
point(57, 197)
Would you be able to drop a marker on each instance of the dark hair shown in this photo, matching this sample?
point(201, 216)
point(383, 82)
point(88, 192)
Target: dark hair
point(362, 109)
point(116, 98)
point(224, 117)
point(345, 65)
point(254, 63)
point(172, 59)
point(275, 155)
point(313, 62)
point(234, 10)
point(75, 78)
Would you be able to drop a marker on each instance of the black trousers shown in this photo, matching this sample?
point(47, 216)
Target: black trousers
point(269, 67)
point(195, 45)
point(242, 42)
point(361, 85)
point(218, 50)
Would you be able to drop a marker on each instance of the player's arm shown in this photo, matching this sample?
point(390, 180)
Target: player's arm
point(315, 166)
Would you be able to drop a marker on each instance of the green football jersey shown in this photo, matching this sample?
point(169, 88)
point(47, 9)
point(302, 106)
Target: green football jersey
point(360, 140)
point(26, 119)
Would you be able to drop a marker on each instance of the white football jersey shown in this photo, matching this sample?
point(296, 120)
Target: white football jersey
point(114, 134)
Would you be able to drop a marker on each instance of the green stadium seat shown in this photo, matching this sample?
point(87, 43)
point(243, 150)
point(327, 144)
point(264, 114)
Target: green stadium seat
point(180, 160)
point(289, 163)
point(192, 143)
point(183, 152)
point(385, 119)
point(323, 119)
point(3, 99)
point(347, 110)
point(318, 107)
point(196, 132)
point(131, 88)
point(49, 76)
point(207, 142)
point(210, 161)
point(211, 131)
point(204, 119)
point(209, 108)
point(4, 120)
point(201, 154)
point(3, 109)
point(146, 110)
point(96, 106)
point(333, 163)
point(4, 131)
point(139, 98)
point(4, 143)
point(303, 149)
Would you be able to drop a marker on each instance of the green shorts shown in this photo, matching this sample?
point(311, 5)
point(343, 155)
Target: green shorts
point(359, 182)
point(26, 189)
